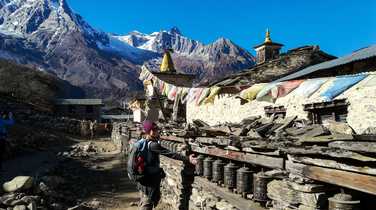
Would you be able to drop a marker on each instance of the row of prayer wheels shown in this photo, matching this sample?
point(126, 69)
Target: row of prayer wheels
point(242, 180)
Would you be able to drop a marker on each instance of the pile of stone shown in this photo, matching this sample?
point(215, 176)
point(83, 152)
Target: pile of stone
point(202, 199)
point(297, 193)
point(273, 128)
point(28, 193)
point(81, 150)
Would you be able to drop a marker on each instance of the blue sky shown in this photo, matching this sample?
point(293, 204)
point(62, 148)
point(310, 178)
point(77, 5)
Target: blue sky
point(338, 26)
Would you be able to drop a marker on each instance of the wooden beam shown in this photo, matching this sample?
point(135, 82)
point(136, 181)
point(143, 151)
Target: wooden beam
point(262, 160)
point(360, 182)
point(369, 147)
point(333, 164)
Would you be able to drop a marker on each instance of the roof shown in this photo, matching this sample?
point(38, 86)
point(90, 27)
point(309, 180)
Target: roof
point(358, 55)
point(270, 44)
point(78, 101)
point(254, 74)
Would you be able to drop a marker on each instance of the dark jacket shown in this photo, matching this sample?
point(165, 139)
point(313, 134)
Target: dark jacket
point(153, 169)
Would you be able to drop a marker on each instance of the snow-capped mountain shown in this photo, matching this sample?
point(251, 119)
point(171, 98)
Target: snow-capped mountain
point(48, 35)
point(210, 62)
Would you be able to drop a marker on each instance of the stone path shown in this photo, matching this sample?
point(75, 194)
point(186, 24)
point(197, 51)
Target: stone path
point(98, 179)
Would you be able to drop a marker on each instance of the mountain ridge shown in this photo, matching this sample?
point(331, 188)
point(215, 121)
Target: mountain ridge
point(49, 36)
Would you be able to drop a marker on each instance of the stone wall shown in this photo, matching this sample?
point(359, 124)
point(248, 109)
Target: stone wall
point(227, 108)
point(181, 190)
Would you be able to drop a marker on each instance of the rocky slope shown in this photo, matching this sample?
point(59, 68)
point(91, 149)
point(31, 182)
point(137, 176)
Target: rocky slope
point(23, 84)
point(210, 61)
point(47, 35)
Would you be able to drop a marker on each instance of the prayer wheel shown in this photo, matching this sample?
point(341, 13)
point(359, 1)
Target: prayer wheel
point(218, 167)
point(260, 182)
point(173, 146)
point(342, 201)
point(244, 181)
point(208, 168)
point(163, 144)
point(170, 145)
point(230, 175)
point(199, 168)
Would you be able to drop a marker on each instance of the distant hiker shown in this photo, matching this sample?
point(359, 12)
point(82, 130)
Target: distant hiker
point(92, 127)
point(144, 166)
point(5, 120)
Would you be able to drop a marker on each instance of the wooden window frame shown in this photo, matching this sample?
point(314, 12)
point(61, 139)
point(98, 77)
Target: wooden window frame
point(335, 108)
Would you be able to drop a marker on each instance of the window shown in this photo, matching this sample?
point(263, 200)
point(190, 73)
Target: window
point(279, 111)
point(334, 110)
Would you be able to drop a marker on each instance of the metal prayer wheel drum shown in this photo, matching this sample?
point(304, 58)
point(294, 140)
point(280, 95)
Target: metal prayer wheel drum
point(230, 175)
point(218, 171)
point(173, 146)
point(199, 168)
point(342, 201)
point(208, 168)
point(170, 145)
point(167, 144)
point(244, 181)
point(163, 144)
point(260, 182)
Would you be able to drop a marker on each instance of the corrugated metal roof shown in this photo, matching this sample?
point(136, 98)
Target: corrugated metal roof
point(355, 56)
point(79, 101)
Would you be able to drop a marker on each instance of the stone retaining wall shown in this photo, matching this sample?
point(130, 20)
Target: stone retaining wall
point(180, 189)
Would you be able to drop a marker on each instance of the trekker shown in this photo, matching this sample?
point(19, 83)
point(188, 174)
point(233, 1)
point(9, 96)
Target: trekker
point(5, 120)
point(150, 188)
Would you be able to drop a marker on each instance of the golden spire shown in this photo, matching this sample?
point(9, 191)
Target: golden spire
point(267, 37)
point(167, 63)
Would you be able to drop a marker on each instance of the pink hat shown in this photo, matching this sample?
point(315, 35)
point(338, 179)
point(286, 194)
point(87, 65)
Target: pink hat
point(148, 125)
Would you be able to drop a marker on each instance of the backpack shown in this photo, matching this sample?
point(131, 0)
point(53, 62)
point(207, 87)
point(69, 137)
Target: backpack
point(137, 160)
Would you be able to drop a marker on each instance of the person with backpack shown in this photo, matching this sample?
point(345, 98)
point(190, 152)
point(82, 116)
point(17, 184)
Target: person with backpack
point(5, 120)
point(144, 165)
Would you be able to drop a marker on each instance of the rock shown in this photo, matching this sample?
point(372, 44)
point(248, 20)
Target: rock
point(94, 204)
point(10, 198)
point(43, 188)
point(53, 181)
point(57, 206)
point(20, 207)
point(79, 207)
point(30, 199)
point(338, 127)
point(133, 204)
point(32, 206)
point(222, 205)
point(18, 184)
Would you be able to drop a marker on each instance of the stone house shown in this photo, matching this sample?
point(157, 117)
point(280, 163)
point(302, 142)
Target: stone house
point(84, 109)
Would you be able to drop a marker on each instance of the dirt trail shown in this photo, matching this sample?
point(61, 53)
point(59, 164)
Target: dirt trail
point(98, 179)
point(109, 183)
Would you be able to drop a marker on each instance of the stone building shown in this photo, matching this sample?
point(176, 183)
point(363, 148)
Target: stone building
point(85, 109)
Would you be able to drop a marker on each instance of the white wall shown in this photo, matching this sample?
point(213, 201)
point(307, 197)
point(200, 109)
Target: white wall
point(226, 108)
